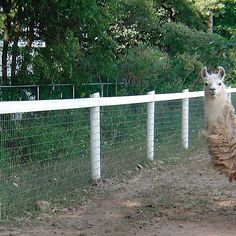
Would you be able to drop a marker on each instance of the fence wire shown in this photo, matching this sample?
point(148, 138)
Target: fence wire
point(196, 121)
point(168, 118)
point(46, 155)
point(123, 138)
point(233, 99)
point(168, 128)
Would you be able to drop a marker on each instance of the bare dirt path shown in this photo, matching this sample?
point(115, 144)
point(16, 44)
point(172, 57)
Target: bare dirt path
point(185, 198)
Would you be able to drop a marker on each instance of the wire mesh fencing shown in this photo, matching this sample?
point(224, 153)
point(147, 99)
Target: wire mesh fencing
point(168, 118)
point(123, 138)
point(54, 155)
point(196, 121)
point(233, 99)
point(60, 91)
point(169, 130)
point(44, 156)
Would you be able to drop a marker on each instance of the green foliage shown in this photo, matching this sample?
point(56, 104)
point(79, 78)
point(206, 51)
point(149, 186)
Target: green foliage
point(178, 11)
point(225, 20)
point(206, 6)
point(98, 63)
point(174, 66)
point(148, 44)
point(46, 137)
point(205, 46)
point(56, 64)
point(144, 68)
point(198, 47)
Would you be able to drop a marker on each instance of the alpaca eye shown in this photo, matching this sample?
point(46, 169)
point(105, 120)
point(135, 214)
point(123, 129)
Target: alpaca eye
point(206, 84)
point(219, 84)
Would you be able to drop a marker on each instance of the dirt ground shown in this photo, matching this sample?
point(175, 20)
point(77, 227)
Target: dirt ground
point(185, 198)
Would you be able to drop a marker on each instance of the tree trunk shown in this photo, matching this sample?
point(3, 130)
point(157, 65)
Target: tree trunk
point(13, 61)
point(26, 55)
point(210, 22)
point(5, 50)
point(15, 52)
point(30, 34)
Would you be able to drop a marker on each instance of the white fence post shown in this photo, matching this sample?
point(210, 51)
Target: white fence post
point(95, 140)
point(73, 91)
point(150, 127)
point(229, 94)
point(38, 94)
point(185, 120)
point(0, 211)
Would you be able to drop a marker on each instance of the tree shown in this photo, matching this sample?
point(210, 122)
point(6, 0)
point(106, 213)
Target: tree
point(225, 20)
point(53, 21)
point(209, 9)
point(19, 22)
point(91, 41)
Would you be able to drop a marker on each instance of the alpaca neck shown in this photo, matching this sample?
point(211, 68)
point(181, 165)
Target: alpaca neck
point(214, 108)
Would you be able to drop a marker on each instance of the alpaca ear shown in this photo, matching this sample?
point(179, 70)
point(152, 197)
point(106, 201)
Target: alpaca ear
point(204, 73)
point(221, 72)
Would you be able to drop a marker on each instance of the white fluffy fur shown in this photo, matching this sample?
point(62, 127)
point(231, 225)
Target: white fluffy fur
point(220, 130)
point(215, 95)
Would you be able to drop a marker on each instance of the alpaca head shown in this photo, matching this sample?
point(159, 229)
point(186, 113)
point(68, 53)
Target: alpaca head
point(214, 83)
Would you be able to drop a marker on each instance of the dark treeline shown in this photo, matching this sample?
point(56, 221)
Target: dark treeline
point(148, 44)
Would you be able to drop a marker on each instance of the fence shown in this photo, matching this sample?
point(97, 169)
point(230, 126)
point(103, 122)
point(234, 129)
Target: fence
point(59, 147)
point(57, 91)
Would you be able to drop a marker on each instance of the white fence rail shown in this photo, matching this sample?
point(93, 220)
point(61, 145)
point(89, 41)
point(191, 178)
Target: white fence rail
point(50, 105)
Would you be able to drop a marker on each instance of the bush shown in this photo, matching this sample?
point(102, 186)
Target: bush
point(144, 68)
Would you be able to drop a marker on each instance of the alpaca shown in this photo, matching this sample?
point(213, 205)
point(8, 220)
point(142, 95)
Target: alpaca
point(220, 124)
